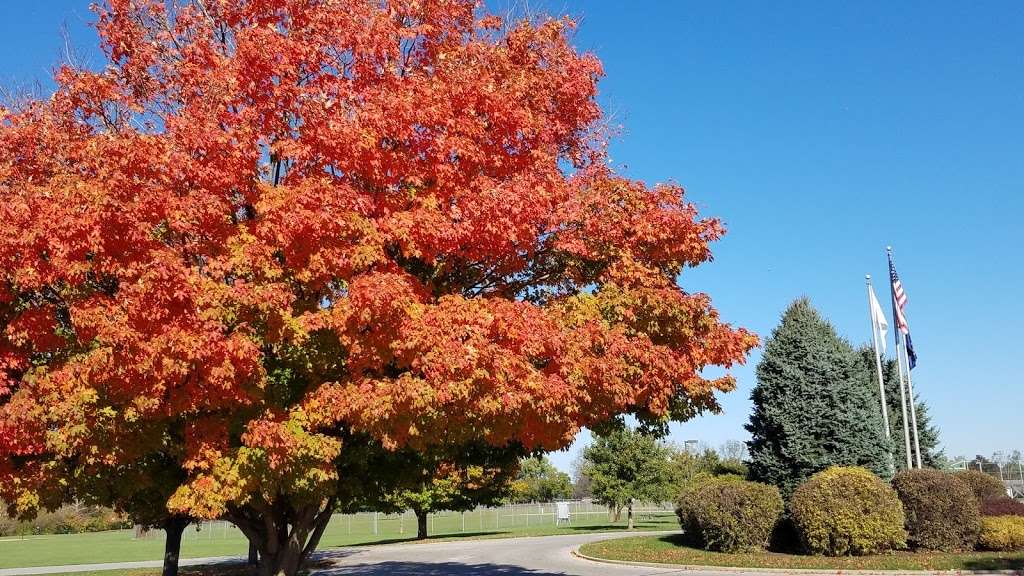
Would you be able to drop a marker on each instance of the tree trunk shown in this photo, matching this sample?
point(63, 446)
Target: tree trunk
point(629, 515)
point(174, 528)
point(421, 525)
point(284, 538)
point(254, 554)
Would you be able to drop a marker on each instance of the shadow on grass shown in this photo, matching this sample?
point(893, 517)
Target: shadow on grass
point(434, 538)
point(676, 539)
point(996, 563)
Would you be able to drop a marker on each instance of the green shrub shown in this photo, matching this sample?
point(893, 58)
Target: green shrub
point(729, 515)
point(731, 467)
point(70, 519)
point(942, 513)
point(984, 486)
point(1002, 533)
point(847, 511)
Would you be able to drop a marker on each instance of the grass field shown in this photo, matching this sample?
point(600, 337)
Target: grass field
point(221, 539)
point(670, 550)
point(233, 570)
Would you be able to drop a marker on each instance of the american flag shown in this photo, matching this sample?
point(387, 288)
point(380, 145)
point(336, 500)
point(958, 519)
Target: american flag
point(899, 302)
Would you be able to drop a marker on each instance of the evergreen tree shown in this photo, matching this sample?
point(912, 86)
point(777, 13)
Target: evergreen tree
point(812, 407)
point(931, 455)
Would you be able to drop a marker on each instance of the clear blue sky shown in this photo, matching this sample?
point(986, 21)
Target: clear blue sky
point(820, 133)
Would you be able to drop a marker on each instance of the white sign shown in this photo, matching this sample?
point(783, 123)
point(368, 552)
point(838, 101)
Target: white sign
point(562, 509)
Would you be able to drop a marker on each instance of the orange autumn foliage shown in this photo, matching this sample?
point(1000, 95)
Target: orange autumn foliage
point(269, 225)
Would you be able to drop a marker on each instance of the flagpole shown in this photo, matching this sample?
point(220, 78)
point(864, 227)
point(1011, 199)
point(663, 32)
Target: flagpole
point(875, 327)
point(899, 370)
point(878, 359)
point(913, 408)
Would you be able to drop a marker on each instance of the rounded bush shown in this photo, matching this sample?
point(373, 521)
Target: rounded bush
point(729, 515)
point(1002, 533)
point(942, 513)
point(984, 486)
point(847, 511)
point(1003, 506)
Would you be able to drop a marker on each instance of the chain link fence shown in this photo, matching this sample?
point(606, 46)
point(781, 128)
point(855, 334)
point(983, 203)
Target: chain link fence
point(527, 518)
point(1010, 472)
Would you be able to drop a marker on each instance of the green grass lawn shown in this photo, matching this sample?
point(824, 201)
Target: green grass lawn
point(237, 570)
point(670, 550)
point(224, 540)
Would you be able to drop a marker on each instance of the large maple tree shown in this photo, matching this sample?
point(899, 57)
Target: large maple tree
point(270, 233)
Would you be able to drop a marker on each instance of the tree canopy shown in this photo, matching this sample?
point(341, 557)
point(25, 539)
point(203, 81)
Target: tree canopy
point(539, 481)
point(813, 408)
point(266, 235)
point(430, 482)
point(688, 466)
point(626, 465)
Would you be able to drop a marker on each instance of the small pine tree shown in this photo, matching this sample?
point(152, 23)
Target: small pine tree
point(812, 407)
point(931, 454)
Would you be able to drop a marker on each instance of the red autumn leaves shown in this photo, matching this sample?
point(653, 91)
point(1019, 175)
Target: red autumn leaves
point(271, 222)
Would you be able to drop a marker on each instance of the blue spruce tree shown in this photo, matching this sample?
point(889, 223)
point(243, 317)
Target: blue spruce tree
point(813, 407)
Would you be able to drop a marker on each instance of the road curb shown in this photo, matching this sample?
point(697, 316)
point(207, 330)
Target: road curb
point(739, 569)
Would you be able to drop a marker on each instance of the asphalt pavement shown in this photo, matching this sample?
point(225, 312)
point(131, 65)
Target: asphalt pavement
point(534, 556)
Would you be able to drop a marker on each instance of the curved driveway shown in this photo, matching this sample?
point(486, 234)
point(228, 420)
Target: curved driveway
point(536, 556)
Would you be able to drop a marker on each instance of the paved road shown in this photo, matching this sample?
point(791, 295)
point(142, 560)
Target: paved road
point(538, 556)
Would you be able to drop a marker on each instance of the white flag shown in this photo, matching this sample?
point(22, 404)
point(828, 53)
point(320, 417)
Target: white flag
point(878, 318)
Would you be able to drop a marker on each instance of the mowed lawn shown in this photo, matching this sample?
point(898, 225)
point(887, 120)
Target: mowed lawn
point(224, 540)
point(671, 550)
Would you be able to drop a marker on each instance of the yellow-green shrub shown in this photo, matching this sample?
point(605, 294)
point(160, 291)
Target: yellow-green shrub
point(1002, 533)
point(848, 511)
point(729, 515)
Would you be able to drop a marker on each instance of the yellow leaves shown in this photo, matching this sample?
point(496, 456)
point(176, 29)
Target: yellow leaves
point(27, 503)
point(207, 496)
point(579, 309)
point(131, 415)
